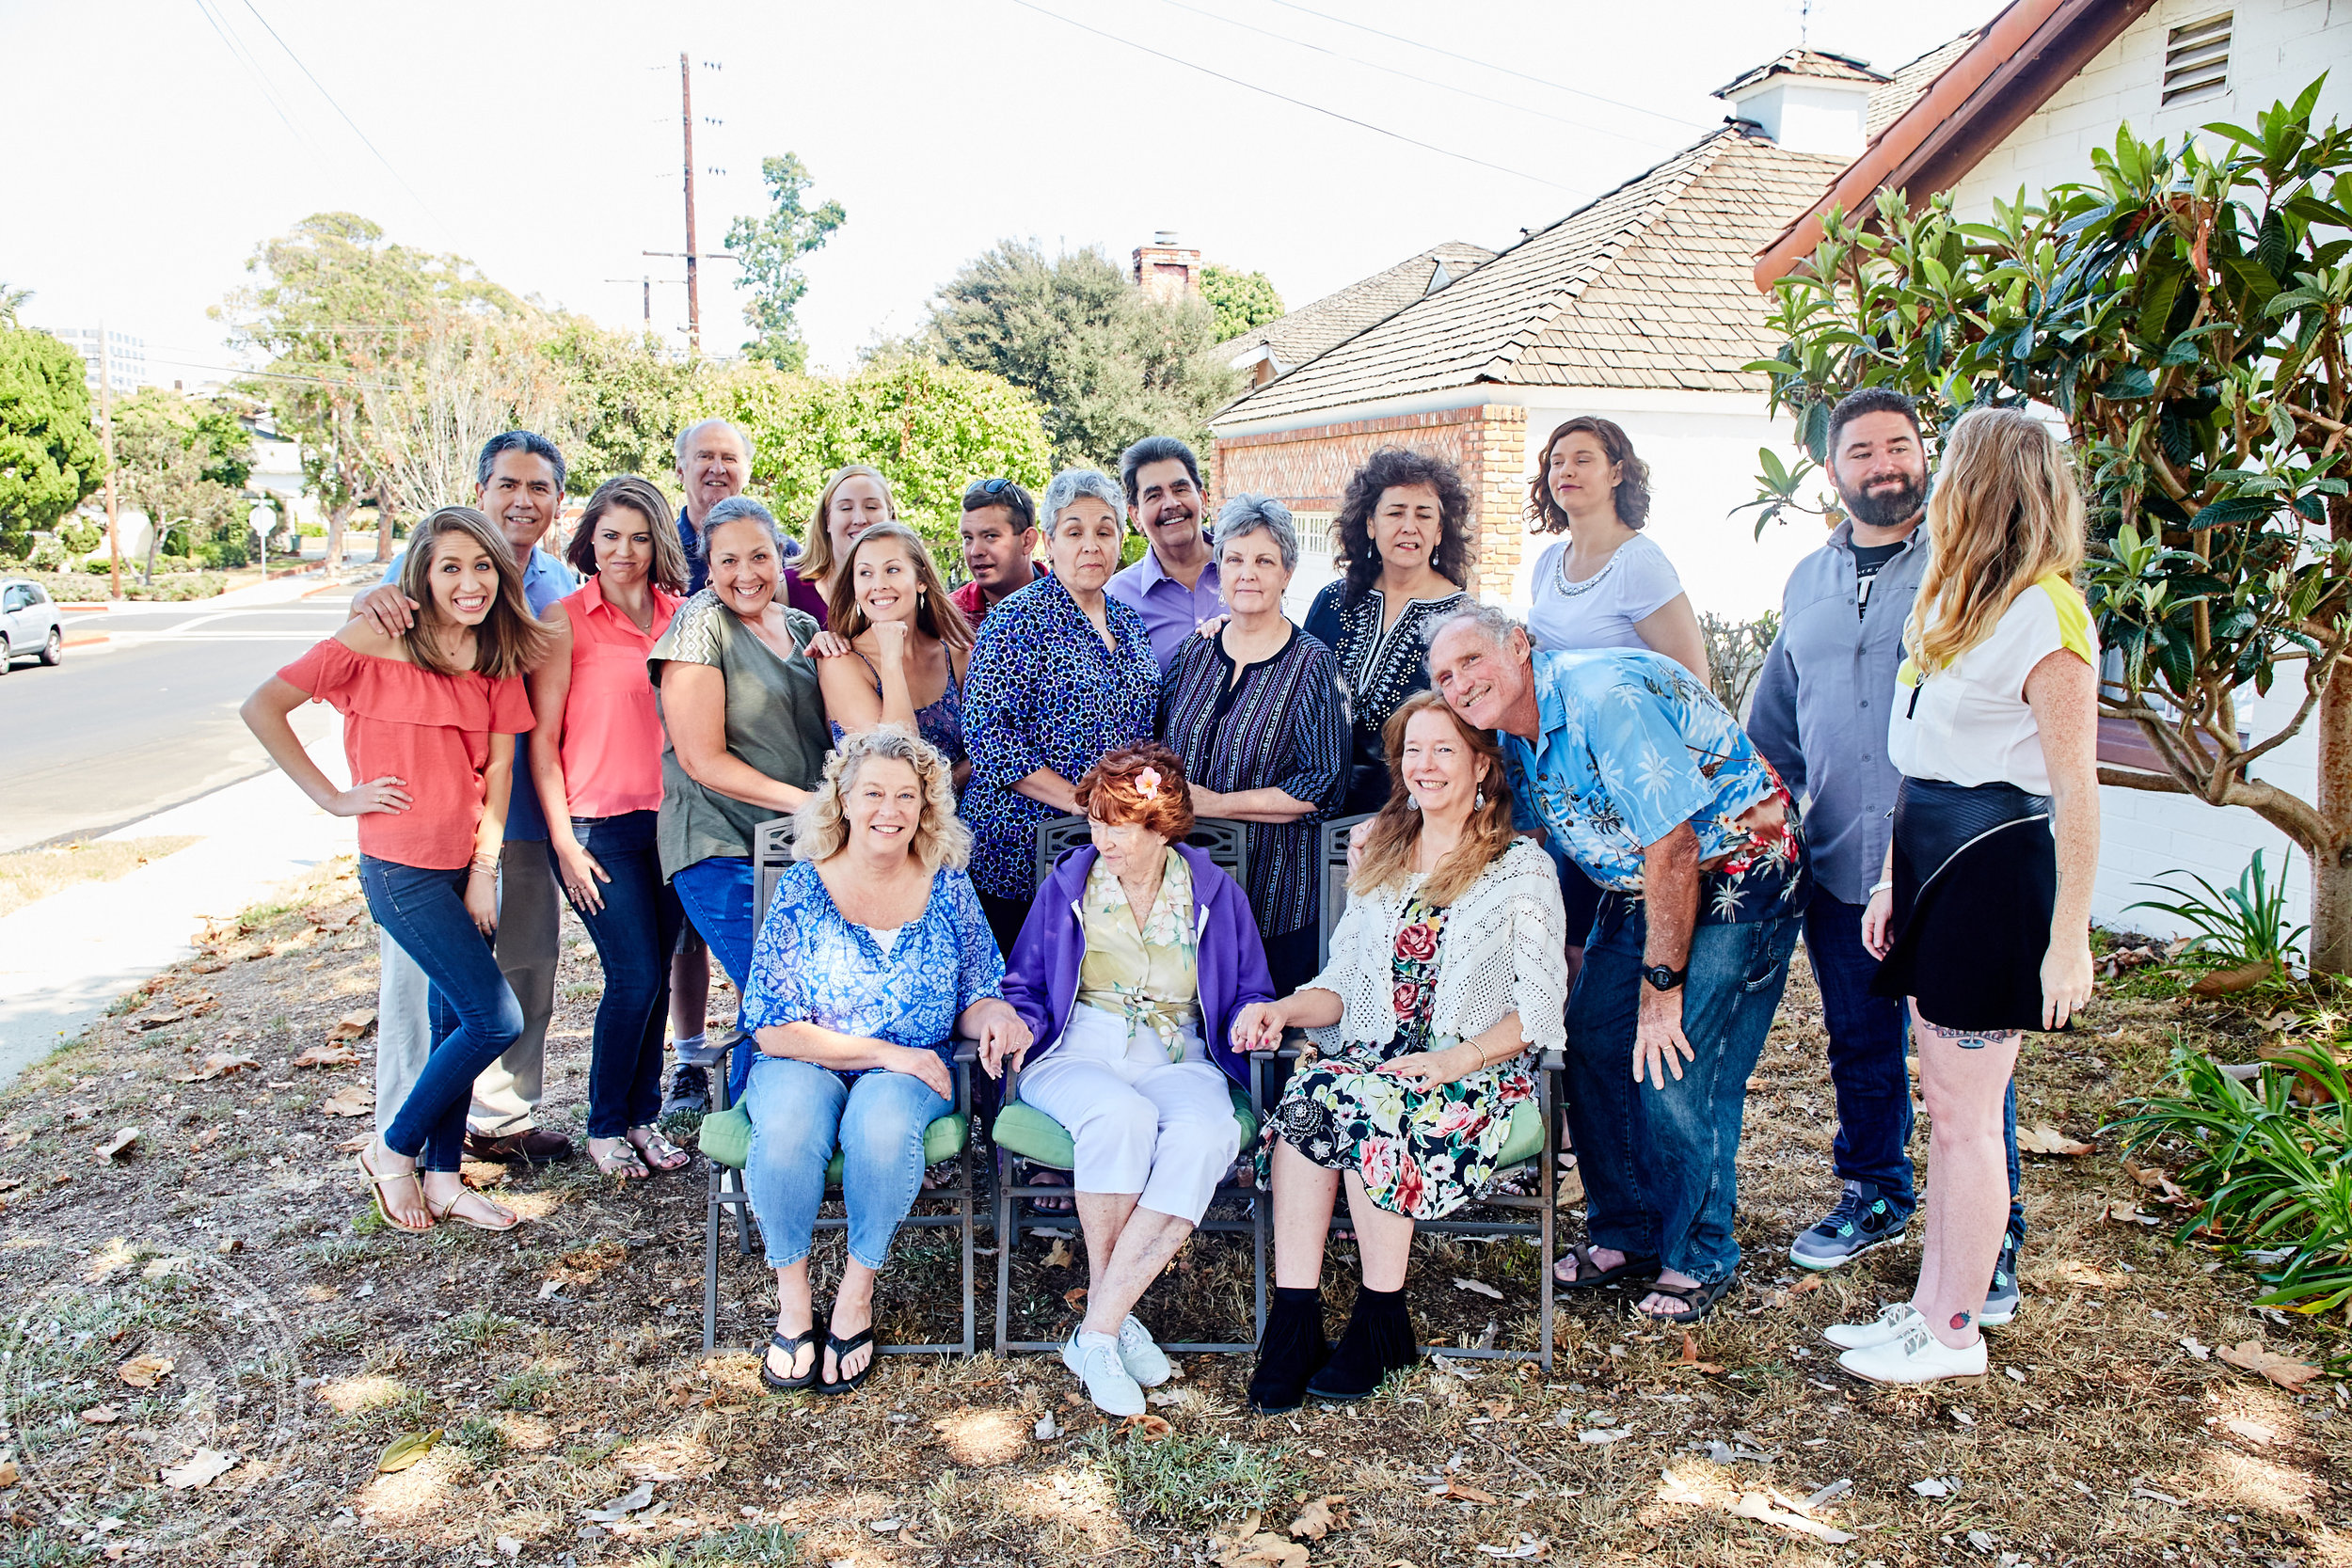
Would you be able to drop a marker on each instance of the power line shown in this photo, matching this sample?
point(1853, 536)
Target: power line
point(1411, 76)
point(244, 58)
point(331, 104)
point(1301, 103)
point(1488, 65)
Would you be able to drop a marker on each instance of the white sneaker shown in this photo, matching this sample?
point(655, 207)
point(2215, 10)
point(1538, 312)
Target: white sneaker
point(1095, 1359)
point(1918, 1357)
point(1888, 1327)
point(1144, 1359)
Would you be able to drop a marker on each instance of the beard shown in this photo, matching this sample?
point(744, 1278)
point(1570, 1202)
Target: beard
point(1884, 508)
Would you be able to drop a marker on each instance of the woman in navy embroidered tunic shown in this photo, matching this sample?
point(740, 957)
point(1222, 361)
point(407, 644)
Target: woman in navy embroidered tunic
point(1062, 674)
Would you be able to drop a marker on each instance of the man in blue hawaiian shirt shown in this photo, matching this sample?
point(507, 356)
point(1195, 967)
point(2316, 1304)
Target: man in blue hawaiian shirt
point(1645, 780)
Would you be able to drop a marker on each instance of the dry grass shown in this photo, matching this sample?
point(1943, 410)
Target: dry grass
point(2101, 1437)
point(29, 875)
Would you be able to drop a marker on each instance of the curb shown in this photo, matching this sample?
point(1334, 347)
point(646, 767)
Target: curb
point(87, 640)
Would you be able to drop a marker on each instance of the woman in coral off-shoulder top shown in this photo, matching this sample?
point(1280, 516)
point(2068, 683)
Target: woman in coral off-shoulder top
point(430, 719)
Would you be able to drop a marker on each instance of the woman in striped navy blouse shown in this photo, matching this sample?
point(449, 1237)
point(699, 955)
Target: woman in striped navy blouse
point(1254, 711)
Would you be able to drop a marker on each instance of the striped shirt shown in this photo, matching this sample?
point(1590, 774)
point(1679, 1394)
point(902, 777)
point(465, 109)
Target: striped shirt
point(1275, 724)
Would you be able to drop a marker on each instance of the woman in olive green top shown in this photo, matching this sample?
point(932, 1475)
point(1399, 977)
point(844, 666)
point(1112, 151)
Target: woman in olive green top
point(745, 724)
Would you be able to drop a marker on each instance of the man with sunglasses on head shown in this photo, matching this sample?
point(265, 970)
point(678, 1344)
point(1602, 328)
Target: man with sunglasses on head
point(999, 531)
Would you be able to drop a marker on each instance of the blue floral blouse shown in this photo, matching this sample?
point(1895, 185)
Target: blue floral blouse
point(812, 966)
point(1045, 693)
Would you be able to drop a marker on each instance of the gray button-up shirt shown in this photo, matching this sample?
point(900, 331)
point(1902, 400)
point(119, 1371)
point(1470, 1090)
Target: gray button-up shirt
point(1822, 706)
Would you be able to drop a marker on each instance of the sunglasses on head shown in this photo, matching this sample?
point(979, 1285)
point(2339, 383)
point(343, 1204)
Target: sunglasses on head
point(985, 490)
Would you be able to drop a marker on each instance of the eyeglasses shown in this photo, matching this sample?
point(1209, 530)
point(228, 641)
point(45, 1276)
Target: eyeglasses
point(986, 490)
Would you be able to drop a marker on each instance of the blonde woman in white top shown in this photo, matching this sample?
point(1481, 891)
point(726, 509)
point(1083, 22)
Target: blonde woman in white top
point(1982, 917)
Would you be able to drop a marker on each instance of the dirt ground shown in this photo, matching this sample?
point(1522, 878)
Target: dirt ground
point(210, 1342)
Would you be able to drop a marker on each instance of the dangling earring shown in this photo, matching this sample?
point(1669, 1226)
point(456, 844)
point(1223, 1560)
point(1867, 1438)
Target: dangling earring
point(1412, 801)
point(1478, 801)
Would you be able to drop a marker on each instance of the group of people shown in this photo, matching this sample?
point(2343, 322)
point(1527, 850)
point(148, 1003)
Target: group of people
point(1567, 845)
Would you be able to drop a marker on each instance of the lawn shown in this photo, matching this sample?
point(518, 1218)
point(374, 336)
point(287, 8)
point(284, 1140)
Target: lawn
point(212, 1345)
point(29, 875)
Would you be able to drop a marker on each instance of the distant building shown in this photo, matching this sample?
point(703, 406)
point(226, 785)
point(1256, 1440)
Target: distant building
point(1165, 270)
point(1276, 347)
point(128, 371)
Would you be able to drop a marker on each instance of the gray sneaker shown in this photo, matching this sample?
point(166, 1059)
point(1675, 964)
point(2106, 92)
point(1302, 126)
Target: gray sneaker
point(1141, 1355)
point(1862, 1221)
point(2002, 1302)
point(1114, 1391)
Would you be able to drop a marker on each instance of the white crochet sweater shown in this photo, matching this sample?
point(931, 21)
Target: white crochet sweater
point(1501, 952)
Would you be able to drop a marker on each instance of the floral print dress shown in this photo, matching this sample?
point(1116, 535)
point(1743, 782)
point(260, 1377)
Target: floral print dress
point(1421, 1155)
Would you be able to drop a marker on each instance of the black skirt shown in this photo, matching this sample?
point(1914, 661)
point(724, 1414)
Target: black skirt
point(1976, 882)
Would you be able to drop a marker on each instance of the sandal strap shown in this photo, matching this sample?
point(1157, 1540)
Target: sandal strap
point(841, 1347)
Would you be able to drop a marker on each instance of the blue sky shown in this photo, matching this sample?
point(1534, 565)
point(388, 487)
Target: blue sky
point(165, 138)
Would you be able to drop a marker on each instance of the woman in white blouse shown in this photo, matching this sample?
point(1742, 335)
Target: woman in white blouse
point(1607, 584)
point(1444, 975)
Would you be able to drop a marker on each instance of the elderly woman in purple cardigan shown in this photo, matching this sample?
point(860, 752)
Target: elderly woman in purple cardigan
point(1134, 960)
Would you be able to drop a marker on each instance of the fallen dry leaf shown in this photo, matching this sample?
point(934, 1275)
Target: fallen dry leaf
point(144, 1372)
point(1456, 1491)
point(220, 1064)
point(1690, 1359)
point(352, 1025)
point(1074, 1298)
point(333, 1054)
point(2157, 1181)
point(1262, 1548)
point(1478, 1287)
point(8, 1474)
point(156, 1021)
point(2227, 982)
point(2284, 1370)
point(622, 1506)
point(1151, 1429)
point(2043, 1138)
point(101, 1414)
point(1320, 1517)
point(403, 1451)
point(1757, 1506)
point(2253, 1432)
point(1057, 1256)
point(352, 1099)
point(124, 1137)
point(199, 1469)
point(2124, 1212)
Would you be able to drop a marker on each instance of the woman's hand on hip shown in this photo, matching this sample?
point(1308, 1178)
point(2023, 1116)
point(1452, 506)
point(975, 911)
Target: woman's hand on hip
point(580, 874)
point(927, 1066)
point(387, 794)
point(2066, 981)
point(1877, 924)
point(1003, 1036)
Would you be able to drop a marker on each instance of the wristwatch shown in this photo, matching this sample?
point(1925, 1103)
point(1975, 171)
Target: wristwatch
point(1662, 979)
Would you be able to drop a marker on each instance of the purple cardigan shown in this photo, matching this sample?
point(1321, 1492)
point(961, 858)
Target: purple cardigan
point(1042, 982)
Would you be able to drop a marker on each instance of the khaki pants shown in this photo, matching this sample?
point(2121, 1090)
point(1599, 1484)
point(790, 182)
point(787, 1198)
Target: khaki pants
point(506, 1096)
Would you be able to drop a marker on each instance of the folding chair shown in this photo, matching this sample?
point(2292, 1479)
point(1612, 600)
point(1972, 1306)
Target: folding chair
point(1026, 1132)
point(726, 1137)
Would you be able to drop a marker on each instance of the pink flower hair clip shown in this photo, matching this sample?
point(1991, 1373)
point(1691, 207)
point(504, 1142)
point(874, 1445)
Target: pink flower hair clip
point(1148, 783)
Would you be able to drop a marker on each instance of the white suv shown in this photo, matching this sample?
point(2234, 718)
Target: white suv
point(29, 626)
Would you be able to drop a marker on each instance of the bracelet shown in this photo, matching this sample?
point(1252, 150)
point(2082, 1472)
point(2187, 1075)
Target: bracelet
point(486, 866)
point(1879, 887)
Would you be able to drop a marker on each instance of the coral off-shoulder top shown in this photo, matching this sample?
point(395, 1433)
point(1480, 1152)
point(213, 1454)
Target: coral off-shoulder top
point(432, 732)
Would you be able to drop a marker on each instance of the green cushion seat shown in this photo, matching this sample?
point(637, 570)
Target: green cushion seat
point(1023, 1129)
point(727, 1137)
point(1526, 1141)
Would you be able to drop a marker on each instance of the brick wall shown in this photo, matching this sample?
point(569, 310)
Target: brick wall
point(1307, 471)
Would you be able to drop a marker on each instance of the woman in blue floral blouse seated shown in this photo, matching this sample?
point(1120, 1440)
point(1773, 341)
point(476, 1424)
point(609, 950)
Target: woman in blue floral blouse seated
point(1445, 973)
point(873, 956)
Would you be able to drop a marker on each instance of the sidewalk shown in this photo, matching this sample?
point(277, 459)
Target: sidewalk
point(65, 959)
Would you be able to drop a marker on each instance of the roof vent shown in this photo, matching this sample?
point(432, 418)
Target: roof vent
point(2197, 60)
point(1438, 278)
point(1167, 237)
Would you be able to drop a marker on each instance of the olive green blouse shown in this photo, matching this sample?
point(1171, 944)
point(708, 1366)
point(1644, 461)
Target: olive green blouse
point(1146, 976)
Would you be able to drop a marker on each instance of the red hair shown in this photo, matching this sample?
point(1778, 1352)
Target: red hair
point(1112, 791)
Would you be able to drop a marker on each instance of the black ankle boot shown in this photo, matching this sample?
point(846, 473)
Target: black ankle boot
point(1379, 1341)
point(1292, 1351)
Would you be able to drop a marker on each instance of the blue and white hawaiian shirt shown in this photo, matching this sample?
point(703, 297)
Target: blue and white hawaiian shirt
point(1631, 747)
point(812, 966)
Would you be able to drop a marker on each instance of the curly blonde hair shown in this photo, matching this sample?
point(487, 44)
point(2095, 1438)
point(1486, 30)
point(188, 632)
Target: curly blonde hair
point(822, 826)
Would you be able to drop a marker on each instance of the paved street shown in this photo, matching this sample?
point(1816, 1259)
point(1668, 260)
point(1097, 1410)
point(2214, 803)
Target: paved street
point(149, 720)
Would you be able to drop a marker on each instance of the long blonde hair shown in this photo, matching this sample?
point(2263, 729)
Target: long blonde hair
point(1387, 853)
point(817, 552)
point(2006, 513)
point(821, 826)
point(935, 613)
point(510, 640)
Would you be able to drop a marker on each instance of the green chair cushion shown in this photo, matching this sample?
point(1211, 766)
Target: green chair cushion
point(727, 1137)
point(1526, 1141)
point(1023, 1129)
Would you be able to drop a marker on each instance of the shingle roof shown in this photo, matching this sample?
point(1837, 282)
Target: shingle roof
point(1647, 286)
point(1910, 83)
point(1804, 62)
point(1302, 334)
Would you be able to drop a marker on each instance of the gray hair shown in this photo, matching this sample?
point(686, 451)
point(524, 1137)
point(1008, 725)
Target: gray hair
point(1491, 622)
point(734, 509)
point(528, 441)
point(1248, 513)
point(686, 438)
point(1073, 484)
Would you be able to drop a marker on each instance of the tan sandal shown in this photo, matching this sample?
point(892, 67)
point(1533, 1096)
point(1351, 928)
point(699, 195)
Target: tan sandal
point(657, 1152)
point(382, 1210)
point(619, 1159)
point(448, 1212)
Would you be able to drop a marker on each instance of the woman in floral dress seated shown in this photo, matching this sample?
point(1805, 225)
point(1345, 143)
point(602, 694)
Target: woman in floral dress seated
point(1444, 975)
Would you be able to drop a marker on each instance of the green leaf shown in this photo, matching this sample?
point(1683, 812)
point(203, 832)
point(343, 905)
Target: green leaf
point(2235, 509)
point(402, 1452)
point(2132, 381)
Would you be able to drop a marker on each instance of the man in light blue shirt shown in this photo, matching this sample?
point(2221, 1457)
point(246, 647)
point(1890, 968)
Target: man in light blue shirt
point(520, 487)
point(1649, 785)
point(1174, 587)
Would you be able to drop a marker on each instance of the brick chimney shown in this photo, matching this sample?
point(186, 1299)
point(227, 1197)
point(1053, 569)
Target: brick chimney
point(1165, 269)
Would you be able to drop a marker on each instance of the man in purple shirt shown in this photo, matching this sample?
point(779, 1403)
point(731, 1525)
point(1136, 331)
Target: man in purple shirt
point(1174, 587)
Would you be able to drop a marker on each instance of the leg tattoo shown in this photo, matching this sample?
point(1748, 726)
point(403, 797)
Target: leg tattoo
point(1967, 1040)
point(1960, 1320)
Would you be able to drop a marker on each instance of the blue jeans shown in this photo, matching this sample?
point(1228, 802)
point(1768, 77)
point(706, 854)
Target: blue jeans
point(635, 934)
point(800, 1113)
point(1680, 1166)
point(1868, 1036)
point(473, 1011)
point(717, 896)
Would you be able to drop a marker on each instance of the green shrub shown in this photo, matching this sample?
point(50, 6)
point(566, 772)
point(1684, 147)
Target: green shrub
point(2239, 926)
point(1191, 1480)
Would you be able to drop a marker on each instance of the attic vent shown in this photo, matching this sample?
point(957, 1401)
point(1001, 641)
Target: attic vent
point(1439, 279)
point(2197, 60)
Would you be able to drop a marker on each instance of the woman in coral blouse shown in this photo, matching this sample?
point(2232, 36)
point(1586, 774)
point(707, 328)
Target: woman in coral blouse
point(429, 724)
point(595, 754)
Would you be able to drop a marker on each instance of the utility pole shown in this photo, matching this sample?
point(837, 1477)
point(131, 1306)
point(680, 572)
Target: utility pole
point(694, 282)
point(647, 281)
point(106, 428)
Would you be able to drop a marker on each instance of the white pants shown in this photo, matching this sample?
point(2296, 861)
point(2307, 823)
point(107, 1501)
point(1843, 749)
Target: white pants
point(1143, 1123)
point(506, 1096)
